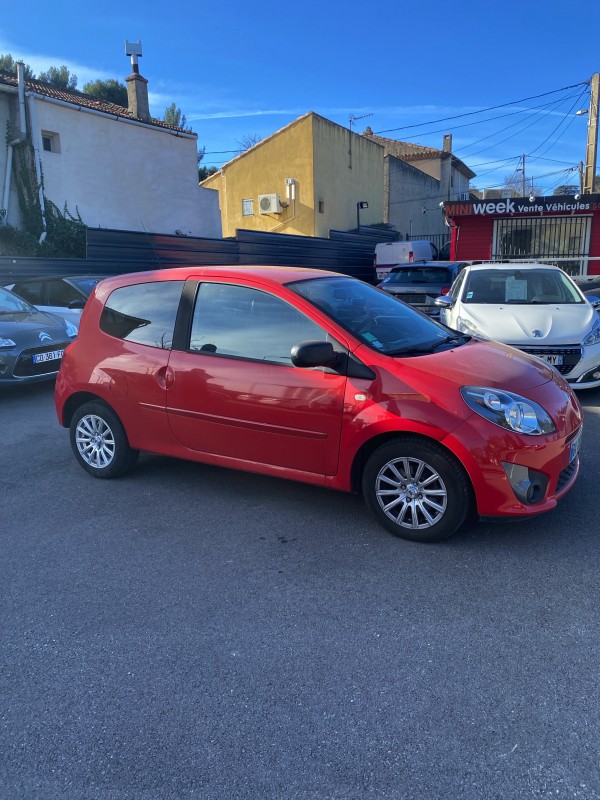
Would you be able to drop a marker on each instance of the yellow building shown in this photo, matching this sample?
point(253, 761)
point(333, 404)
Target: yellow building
point(305, 179)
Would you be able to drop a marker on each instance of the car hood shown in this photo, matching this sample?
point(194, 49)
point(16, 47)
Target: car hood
point(551, 324)
point(32, 322)
point(481, 363)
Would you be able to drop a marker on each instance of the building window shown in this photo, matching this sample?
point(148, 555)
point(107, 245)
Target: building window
point(321, 206)
point(50, 142)
point(248, 208)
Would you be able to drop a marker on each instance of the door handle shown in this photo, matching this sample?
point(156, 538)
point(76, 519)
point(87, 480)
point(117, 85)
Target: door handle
point(165, 377)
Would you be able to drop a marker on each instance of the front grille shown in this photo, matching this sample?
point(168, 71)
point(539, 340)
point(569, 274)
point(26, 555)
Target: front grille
point(571, 355)
point(566, 476)
point(25, 368)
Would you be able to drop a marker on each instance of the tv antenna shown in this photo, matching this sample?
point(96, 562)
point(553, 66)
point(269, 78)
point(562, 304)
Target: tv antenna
point(352, 118)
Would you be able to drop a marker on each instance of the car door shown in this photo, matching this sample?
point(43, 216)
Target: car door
point(236, 393)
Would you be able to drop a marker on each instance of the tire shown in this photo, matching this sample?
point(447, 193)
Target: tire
point(416, 489)
point(99, 441)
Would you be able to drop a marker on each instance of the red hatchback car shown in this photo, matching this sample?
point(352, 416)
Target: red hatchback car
point(313, 376)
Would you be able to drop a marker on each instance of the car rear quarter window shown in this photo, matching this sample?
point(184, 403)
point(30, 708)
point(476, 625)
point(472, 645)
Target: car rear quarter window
point(144, 313)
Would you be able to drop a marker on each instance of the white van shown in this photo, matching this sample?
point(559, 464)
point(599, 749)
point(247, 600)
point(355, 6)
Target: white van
point(388, 254)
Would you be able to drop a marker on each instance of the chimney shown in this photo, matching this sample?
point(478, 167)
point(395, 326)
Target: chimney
point(447, 143)
point(137, 86)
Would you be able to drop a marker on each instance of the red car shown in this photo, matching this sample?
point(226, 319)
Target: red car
point(317, 377)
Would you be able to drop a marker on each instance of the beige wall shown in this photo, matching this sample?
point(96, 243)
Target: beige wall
point(263, 170)
point(342, 180)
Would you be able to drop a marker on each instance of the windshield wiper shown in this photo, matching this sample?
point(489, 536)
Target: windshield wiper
point(414, 351)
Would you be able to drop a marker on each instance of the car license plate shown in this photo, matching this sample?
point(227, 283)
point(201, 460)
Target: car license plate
point(575, 445)
point(551, 358)
point(54, 355)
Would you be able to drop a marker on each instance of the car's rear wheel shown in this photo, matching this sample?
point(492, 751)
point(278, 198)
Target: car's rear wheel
point(416, 489)
point(100, 443)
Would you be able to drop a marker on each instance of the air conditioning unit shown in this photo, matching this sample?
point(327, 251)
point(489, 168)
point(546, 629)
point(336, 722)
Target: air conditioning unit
point(269, 204)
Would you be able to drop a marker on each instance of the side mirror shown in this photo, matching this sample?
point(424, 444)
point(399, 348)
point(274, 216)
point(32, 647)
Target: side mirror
point(76, 304)
point(594, 300)
point(314, 354)
point(444, 301)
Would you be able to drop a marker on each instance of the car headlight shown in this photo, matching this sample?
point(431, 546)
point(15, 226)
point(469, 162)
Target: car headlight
point(593, 336)
point(466, 326)
point(6, 342)
point(72, 330)
point(508, 410)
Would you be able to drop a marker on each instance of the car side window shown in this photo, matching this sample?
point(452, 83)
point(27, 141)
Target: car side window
point(248, 323)
point(60, 293)
point(456, 287)
point(144, 313)
point(32, 291)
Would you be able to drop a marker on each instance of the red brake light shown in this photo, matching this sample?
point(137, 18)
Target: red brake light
point(445, 289)
point(411, 256)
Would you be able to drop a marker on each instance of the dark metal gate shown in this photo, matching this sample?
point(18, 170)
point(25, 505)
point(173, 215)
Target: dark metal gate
point(565, 239)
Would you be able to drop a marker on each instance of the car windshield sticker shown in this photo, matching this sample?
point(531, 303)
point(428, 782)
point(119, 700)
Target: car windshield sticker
point(469, 296)
point(369, 337)
point(515, 289)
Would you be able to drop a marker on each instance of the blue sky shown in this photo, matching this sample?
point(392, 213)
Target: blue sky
point(246, 69)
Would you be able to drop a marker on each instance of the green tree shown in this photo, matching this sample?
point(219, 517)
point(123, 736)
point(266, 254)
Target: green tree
point(174, 116)
point(8, 64)
point(60, 77)
point(111, 90)
point(204, 172)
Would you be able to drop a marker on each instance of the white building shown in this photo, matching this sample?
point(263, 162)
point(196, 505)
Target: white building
point(116, 166)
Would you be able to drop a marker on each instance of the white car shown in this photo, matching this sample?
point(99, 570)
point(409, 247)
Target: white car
point(536, 308)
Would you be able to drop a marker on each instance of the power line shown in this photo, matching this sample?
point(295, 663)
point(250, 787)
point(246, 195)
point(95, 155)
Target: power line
point(483, 110)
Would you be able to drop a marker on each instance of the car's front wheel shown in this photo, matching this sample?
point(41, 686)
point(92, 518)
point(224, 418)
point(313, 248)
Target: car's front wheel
point(100, 443)
point(416, 489)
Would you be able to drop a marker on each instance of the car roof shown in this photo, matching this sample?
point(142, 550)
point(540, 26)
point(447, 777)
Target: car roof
point(266, 274)
point(420, 263)
point(58, 278)
point(511, 265)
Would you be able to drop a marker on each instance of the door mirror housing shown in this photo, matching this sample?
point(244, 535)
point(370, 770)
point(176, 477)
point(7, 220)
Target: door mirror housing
point(444, 301)
point(314, 354)
point(76, 304)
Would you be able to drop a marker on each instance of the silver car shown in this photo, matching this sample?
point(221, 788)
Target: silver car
point(32, 342)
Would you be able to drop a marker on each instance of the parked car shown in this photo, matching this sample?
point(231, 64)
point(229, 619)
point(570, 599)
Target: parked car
point(422, 282)
point(32, 342)
point(388, 254)
point(314, 376)
point(536, 308)
point(65, 296)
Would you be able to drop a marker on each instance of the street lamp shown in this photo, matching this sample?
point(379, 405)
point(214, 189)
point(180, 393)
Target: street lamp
point(359, 205)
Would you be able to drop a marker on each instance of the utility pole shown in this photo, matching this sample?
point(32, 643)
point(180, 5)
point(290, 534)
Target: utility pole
point(523, 176)
point(592, 136)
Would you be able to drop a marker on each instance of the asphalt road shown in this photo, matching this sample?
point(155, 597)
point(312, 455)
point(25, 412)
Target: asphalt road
point(192, 632)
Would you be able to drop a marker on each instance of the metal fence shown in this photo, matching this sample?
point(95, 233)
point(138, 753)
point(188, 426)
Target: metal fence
point(114, 252)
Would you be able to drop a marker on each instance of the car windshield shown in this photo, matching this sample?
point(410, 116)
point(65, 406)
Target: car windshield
point(519, 286)
point(422, 275)
point(375, 318)
point(85, 285)
point(10, 303)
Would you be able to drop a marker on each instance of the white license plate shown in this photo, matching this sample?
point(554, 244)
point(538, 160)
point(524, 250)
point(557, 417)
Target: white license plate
point(39, 358)
point(556, 361)
point(575, 445)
